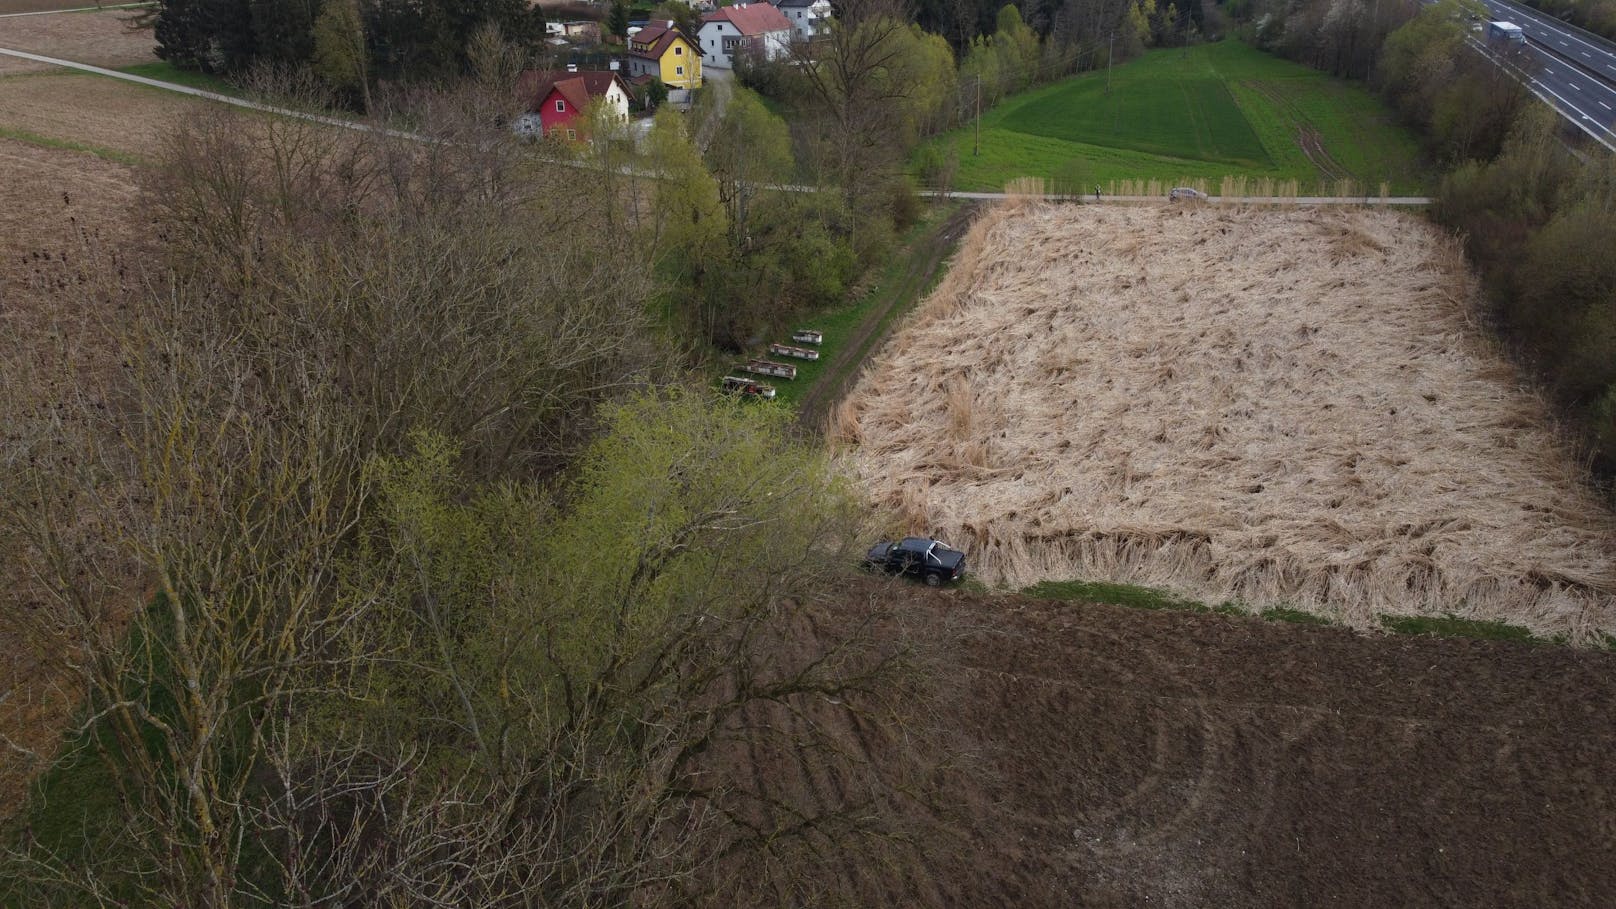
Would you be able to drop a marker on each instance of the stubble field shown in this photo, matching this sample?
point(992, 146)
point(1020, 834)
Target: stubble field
point(112, 119)
point(101, 39)
point(1273, 408)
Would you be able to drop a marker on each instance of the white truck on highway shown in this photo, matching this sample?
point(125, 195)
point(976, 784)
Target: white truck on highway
point(1504, 34)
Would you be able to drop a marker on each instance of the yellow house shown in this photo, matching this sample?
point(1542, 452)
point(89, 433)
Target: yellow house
point(660, 50)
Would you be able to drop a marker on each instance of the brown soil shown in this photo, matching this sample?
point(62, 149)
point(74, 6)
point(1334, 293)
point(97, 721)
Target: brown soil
point(61, 213)
point(93, 111)
point(100, 39)
point(1136, 758)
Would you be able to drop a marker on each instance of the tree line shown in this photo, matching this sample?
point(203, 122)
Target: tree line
point(1597, 16)
point(1533, 202)
point(352, 43)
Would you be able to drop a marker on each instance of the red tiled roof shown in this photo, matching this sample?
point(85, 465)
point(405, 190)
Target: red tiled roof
point(751, 19)
point(535, 85)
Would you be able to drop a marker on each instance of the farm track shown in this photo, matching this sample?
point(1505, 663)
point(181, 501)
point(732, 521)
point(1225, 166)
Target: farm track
point(848, 362)
point(1308, 138)
point(1119, 757)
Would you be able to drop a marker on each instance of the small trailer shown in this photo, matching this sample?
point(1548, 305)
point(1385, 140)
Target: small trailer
point(740, 385)
point(770, 368)
point(808, 336)
point(786, 350)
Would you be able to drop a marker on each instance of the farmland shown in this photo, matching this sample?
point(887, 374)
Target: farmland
point(1126, 757)
point(1202, 114)
point(101, 39)
point(1275, 409)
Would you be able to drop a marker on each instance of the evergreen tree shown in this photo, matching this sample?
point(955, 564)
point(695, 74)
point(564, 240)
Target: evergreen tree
point(284, 29)
point(617, 22)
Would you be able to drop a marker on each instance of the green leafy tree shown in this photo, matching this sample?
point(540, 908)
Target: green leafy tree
point(340, 54)
point(577, 666)
point(687, 226)
point(1019, 48)
point(749, 148)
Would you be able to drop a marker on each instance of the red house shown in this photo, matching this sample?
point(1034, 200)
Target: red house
point(556, 100)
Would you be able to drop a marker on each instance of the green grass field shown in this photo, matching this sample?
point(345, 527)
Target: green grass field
point(1182, 116)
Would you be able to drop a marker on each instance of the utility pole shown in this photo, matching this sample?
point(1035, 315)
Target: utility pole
point(1109, 46)
point(976, 144)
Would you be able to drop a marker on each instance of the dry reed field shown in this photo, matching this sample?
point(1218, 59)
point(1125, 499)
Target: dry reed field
point(101, 39)
point(92, 110)
point(1277, 408)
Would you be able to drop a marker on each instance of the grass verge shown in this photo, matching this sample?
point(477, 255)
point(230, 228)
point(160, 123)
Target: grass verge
point(1130, 595)
point(1137, 597)
point(1451, 626)
point(164, 71)
point(110, 154)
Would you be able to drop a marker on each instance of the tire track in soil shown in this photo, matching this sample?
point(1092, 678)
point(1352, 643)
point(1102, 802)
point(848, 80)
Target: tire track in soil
point(845, 367)
point(1308, 139)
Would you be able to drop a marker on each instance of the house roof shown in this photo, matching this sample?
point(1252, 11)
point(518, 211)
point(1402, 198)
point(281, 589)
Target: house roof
point(751, 19)
point(794, 3)
point(535, 85)
point(658, 37)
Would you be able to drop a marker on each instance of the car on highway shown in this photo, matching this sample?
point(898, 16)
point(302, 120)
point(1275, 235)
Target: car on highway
point(1184, 192)
point(932, 561)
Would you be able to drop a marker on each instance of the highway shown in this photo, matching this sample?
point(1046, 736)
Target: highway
point(1575, 71)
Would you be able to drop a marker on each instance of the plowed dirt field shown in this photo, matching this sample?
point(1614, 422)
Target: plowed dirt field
point(1133, 758)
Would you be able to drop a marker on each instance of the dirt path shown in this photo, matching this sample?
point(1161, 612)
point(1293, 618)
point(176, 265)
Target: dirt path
point(924, 262)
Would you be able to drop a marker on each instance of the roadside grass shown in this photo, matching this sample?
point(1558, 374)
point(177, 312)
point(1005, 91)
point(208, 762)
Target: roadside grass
point(1294, 616)
point(1452, 626)
point(163, 71)
point(1186, 115)
point(1130, 595)
point(840, 323)
point(1138, 597)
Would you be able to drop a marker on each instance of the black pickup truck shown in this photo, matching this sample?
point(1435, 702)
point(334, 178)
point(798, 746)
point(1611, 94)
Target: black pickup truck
point(931, 561)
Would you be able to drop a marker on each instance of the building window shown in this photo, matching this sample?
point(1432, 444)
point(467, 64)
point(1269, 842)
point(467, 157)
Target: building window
point(561, 106)
point(572, 134)
point(678, 51)
point(678, 71)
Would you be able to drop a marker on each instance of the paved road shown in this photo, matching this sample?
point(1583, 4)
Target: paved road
point(1570, 69)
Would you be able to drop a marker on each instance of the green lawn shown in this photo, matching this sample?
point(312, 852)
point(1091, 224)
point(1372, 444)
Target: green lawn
point(1186, 116)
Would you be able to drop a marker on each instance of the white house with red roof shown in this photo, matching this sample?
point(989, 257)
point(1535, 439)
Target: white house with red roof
point(756, 27)
point(809, 17)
